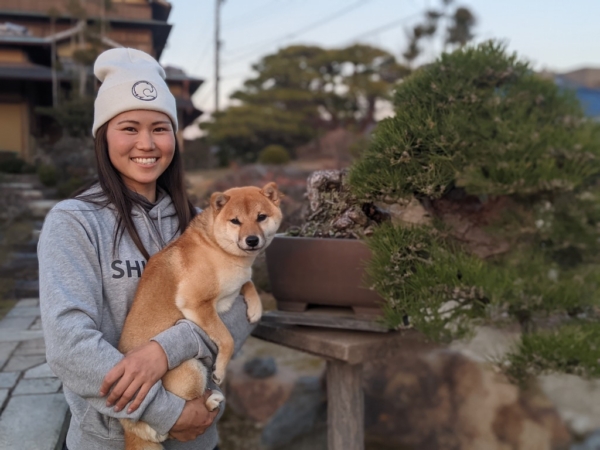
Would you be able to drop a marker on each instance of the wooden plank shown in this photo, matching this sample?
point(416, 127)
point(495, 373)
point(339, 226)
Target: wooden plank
point(327, 318)
point(345, 407)
point(350, 346)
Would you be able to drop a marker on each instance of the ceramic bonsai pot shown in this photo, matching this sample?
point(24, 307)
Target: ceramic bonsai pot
point(317, 271)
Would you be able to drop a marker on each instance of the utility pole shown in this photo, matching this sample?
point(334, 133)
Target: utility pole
point(217, 51)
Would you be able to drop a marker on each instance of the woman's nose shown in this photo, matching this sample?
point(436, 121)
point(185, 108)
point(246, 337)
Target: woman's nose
point(145, 141)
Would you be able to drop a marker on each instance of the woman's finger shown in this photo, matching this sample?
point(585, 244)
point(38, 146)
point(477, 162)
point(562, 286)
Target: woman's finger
point(111, 378)
point(139, 398)
point(119, 389)
point(128, 395)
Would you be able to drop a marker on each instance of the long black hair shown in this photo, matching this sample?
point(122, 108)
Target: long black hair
point(115, 193)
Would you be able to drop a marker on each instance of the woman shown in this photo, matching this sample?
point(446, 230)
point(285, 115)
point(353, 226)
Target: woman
point(92, 251)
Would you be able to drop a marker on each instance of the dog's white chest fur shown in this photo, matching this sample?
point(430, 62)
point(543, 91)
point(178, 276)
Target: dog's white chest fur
point(231, 281)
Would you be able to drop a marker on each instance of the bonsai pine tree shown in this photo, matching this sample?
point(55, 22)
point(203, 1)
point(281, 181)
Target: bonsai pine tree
point(508, 168)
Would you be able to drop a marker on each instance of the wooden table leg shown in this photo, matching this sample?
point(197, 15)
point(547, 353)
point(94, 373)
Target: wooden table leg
point(345, 406)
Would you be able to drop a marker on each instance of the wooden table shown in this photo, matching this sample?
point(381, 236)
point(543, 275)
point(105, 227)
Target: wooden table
point(345, 351)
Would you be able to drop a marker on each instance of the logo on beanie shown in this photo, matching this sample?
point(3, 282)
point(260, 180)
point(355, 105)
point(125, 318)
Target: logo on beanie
point(143, 90)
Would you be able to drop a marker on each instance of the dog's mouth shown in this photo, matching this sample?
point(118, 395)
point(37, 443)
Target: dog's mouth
point(251, 249)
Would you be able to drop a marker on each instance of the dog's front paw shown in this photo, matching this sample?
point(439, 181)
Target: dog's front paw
point(217, 378)
point(254, 313)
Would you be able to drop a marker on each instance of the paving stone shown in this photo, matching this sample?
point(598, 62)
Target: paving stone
point(33, 422)
point(32, 347)
point(42, 371)
point(15, 336)
point(28, 302)
point(24, 311)
point(8, 379)
point(6, 350)
point(37, 325)
point(17, 323)
point(37, 386)
point(23, 362)
point(3, 396)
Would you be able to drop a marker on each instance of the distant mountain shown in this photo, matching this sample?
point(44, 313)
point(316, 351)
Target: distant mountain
point(587, 77)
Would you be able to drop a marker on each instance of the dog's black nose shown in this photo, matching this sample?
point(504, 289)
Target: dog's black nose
point(252, 241)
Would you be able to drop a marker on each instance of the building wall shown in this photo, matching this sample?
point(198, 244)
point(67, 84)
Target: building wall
point(12, 55)
point(129, 9)
point(13, 116)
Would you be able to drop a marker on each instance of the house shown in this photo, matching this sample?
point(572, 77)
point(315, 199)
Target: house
point(34, 33)
point(586, 85)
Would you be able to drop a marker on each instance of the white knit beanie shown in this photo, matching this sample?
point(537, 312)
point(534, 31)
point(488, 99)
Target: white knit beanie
point(131, 79)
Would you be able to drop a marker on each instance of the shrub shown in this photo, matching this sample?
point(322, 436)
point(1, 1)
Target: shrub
point(12, 165)
point(508, 167)
point(274, 154)
point(68, 187)
point(48, 175)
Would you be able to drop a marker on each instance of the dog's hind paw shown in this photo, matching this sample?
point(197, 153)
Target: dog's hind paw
point(214, 401)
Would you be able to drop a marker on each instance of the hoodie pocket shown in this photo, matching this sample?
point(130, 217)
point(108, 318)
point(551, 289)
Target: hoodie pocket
point(100, 425)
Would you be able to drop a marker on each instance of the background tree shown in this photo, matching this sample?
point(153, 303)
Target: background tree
point(302, 91)
point(457, 26)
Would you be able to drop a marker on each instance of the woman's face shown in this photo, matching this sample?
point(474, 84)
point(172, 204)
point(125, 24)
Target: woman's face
point(141, 145)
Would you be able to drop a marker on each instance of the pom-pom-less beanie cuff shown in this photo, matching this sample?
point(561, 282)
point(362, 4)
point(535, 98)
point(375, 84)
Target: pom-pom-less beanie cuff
point(131, 80)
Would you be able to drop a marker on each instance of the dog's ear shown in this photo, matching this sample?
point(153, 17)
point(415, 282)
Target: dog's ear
point(272, 193)
point(218, 200)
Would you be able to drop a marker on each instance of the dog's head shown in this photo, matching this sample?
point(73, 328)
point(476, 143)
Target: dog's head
point(246, 218)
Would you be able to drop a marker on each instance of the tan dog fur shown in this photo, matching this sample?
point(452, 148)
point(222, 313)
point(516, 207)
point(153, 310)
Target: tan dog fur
point(195, 277)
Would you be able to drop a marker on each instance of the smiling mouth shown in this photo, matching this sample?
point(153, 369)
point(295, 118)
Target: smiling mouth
point(144, 161)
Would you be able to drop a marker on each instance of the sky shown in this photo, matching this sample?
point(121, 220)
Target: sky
point(556, 35)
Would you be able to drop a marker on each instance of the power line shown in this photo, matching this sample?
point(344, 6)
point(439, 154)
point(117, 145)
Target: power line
point(384, 27)
point(249, 14)
point(303, 30)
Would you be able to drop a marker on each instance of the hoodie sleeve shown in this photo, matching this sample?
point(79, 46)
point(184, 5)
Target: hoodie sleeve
point(185, 340)
point(71, 301)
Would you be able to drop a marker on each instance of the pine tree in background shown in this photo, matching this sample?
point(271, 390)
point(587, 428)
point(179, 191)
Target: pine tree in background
point(508, 168)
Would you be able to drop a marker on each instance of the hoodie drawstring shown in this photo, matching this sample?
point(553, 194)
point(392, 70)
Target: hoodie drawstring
point(160, 242)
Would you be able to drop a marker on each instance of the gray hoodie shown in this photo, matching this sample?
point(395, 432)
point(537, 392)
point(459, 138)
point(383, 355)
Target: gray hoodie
point(86, 290)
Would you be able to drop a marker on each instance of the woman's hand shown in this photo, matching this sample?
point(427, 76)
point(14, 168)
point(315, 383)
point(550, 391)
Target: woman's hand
point(136, 373)
point(194, 419)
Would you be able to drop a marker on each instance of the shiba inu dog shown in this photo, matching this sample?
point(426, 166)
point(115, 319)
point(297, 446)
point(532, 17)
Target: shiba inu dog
point(195, 277)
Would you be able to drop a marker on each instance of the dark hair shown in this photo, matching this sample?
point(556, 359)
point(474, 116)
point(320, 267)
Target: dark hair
point(114, 192)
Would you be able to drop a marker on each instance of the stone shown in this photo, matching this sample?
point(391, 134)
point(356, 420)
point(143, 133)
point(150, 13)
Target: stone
point(39, 208)
point(8, 379)
point(576, 399)
point(31, 347)
point(3, 396)
point(257, 398)
point(23, 362)
point(6, 350)
point(412, 213)
point(28, 302)
point(42, 371)
point(24, 311)
point(37, 325)
point(487, 344)
point(47, 411)
point(440, 399)
point(37, 386)
point(592, 442)
point(260, 367)
point(9, 336)
point(305, 409)
point(16, 323)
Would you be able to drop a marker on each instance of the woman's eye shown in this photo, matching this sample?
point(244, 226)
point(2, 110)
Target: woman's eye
point(235, 222)
point(261, 217)
point(130, 129)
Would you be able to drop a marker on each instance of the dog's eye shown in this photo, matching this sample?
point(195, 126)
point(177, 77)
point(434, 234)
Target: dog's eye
point(261, 217)
point(235, 222)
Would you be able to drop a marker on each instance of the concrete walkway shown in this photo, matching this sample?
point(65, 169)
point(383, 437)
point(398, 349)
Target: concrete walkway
point(33, 410)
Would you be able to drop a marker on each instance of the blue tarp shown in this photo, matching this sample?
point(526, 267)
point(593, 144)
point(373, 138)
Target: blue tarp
point(590, 100)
